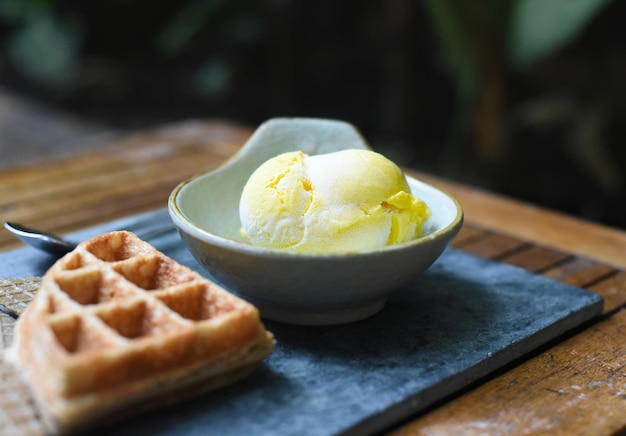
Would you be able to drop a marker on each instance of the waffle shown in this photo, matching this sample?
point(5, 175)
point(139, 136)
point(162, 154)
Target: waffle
point(118, 326)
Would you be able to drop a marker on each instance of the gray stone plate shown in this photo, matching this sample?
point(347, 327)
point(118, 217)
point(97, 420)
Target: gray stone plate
point(463, 319)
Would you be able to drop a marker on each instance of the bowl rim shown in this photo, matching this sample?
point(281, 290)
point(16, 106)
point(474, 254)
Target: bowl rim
point(184, 224)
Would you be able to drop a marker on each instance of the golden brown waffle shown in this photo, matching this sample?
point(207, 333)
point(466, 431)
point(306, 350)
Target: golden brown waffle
point(17, 409)
point(117, 323)
point(18, 414)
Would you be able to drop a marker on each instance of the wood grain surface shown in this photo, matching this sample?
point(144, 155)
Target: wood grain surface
point(576, 385)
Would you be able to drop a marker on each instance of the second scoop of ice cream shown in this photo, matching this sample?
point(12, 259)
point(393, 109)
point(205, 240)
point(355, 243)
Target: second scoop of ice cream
point(347, 201)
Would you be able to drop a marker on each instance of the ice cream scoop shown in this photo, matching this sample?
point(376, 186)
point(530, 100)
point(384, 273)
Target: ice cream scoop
point(346, 201)
point(292, 287)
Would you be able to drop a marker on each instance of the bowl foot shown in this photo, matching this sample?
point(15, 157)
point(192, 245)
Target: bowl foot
point(320, 316)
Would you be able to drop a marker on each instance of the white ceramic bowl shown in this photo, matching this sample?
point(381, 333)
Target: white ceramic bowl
point(310, 289)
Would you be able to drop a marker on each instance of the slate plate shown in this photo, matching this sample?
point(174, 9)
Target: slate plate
point(458, 322)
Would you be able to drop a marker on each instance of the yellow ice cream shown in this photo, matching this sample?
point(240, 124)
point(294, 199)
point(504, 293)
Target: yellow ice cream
point(347, 201)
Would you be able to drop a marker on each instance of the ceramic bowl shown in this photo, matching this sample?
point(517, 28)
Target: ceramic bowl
point(309, 289)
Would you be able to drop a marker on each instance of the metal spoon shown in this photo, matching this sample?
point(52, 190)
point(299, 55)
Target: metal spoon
point(58, 246)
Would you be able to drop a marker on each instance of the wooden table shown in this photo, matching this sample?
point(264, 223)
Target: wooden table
point(576, 385)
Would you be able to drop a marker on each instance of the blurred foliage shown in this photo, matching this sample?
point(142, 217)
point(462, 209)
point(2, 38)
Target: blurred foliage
point(539, 27)
point(486, 42)
point(484, 39)
point(494, 81)
point(42, 44)
point(45, 39)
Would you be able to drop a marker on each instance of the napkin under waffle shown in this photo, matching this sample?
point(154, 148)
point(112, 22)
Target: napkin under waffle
point(118, 326)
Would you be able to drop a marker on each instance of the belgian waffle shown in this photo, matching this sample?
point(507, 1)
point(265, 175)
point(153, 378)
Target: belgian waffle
point(117, 323)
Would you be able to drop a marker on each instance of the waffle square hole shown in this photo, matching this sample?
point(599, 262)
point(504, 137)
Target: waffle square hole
point(152, 273)
point(55, 303)
point(116, 246)
point(137, 320)
point(89, 286)
point(196, 302)
point(81, 286)
point(73, 261)
point(75, 336)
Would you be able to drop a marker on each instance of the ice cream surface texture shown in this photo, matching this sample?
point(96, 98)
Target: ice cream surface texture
point(347, 201)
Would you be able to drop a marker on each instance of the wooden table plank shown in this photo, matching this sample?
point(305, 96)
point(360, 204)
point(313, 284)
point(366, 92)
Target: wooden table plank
point(537, 259)
point(580, 272)
point(547, 228)
point(469, 233)
point(127, 176)
point(493, 246)
point(612, 290)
